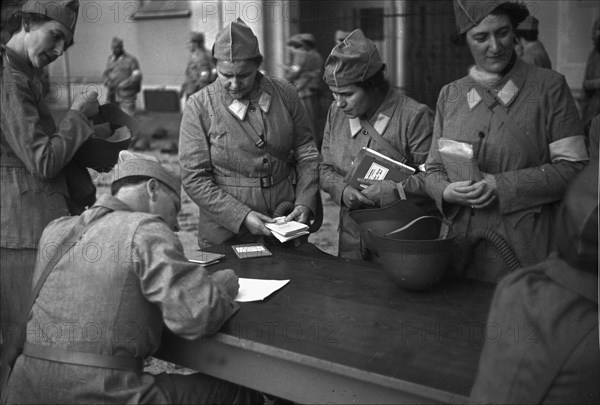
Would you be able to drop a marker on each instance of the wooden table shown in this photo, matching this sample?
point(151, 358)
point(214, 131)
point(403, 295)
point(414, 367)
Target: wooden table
point(342, 332)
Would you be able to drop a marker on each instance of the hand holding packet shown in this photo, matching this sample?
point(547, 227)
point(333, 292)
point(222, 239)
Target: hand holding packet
point(459, 160)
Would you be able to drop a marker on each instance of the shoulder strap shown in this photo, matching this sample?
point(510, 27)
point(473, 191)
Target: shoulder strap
point(11, 351)
point(390, 150)
point(516, 133)
point(71, 238)
point(262, 144)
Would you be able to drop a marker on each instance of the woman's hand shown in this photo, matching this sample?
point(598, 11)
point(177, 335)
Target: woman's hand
point(352, 198)
point(300, 214)
point(382, 191)
point(255, 222)
point(477, 195)
point(87, 103)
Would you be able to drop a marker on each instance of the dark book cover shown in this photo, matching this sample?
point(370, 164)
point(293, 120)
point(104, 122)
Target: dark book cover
point(372, 165)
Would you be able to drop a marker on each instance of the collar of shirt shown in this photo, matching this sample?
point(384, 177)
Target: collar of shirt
point(17, 62)
point(239, 107)
point(112, 203)
point(506, 90)
point(384, 113)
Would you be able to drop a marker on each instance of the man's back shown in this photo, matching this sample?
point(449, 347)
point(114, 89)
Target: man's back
point(109, 296)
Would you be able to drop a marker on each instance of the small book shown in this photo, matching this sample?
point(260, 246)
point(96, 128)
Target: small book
point(285, 231)
point(204, 258)
point(372, 165)
point(249, 250)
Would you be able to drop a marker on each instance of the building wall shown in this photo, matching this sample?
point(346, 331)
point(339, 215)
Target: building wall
point(161, 44)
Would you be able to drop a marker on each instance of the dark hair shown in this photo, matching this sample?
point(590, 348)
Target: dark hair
point(509, 10)
point(528, 35)
point(376, 82)
point(127, 181)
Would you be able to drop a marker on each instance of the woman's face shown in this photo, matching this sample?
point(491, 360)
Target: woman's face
point(492, 43)
point(237, 77)
point(355, 101)
point(46, 41)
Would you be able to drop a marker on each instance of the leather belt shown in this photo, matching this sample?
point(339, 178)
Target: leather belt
point(262, 182)
point(61, 355)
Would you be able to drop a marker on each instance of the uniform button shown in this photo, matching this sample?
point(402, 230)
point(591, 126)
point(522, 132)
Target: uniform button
point(252, 109)
point(365, 132)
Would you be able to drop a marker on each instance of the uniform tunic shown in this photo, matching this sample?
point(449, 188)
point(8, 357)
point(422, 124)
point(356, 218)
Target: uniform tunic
point(110, 295)
point(535, 54)
point(542, 338)
point(404, 123)
point(198, 73)
point(222, 167)
point(118, 76)
point(305, 75)
point(33, 154)
point(531, 179)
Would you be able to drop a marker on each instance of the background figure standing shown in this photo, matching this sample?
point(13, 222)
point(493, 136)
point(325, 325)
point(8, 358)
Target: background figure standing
point(305, 73)
point(200, 71)
point(533, 50)
point(122, 77)
point(591, 80)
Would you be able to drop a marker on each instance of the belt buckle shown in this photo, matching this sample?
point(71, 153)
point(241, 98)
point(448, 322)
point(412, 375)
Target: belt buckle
point(266, 181)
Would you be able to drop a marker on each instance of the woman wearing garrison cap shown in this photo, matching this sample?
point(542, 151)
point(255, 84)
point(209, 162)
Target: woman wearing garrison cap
point(526, 137)
point(244, 141)
point(364, 104)
point(34, 152)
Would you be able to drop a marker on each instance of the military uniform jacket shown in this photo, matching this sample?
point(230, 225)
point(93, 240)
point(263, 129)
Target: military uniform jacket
point(221, 166)
point(542, 338)
point(306, 72)
point(33, 154)
point(110, 295)
point(404, 123)
point(198, 73)
point(535, 54)
point(531, 180)
point(119, 71)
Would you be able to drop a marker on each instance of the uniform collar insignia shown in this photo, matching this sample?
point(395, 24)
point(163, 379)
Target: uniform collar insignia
point(355, 126)
point(380, 124)
point(473, 98)
point(264, 102)
point(239, 108)
point(508, 92)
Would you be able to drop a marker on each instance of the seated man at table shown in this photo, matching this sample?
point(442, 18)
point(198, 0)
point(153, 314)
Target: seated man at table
point(100, 311)
point(542, 331)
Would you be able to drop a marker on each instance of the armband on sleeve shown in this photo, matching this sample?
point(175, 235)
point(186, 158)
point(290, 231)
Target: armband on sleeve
point(572, 149)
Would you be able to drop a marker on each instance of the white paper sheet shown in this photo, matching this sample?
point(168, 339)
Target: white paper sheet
point(252, 289)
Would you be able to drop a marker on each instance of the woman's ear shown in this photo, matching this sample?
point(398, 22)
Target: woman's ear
point(152, 188)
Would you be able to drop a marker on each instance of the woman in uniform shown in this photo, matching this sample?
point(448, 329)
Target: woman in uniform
point(246, 145)
point(365, 111)
point(34, 151)
point(526, 136)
